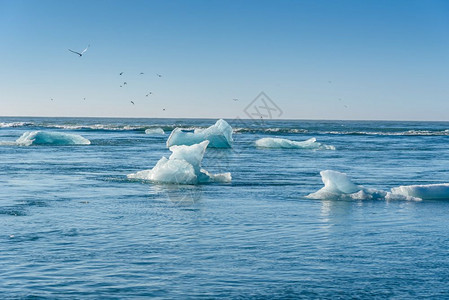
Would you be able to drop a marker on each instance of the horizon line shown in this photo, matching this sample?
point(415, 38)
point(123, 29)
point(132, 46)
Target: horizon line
point(225, 118)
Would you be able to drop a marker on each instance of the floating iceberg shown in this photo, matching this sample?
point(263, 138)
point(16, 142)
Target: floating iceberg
point(218, 135)
point(337, 186)
point(182, 167)
point(284, 143)
point(51, 138)
point(153, 131)
point(425, 192)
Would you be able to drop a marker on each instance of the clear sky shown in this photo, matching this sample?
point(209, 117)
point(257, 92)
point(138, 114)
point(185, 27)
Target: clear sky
point(315, 59)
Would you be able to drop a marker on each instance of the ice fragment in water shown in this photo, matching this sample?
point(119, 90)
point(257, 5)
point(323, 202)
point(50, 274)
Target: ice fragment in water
point(182, 167)
point(285, 143)
point(51, 138)
point(219, 135)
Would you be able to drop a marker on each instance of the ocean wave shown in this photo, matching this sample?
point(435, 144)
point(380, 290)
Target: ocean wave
point(274, 130)
point(15, 124)
point(263, 129)
point(392, 133)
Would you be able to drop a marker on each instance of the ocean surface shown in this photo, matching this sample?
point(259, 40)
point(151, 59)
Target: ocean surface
point(72, 225)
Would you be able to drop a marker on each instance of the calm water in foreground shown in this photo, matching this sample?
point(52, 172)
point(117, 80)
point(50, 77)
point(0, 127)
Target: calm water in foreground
point(73, 226)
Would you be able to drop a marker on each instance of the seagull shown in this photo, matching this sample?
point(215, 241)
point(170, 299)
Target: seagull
point(235, 99)
point(51, 99)
point(84, 98)
point(159, 75)
point(82, 52)
point(121, 73)
point(141, 73)
point(124, 83)
point(163, 109)
point(132, 102)
point(149, 94)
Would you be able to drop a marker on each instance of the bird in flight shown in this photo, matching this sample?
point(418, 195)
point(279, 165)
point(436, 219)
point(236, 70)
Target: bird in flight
point(159, 75)
point(235, 99)
point(121, 73)
point(124, 83)
point(82, 52)
point(132, 102)
point(141, 73)
point(149, 94)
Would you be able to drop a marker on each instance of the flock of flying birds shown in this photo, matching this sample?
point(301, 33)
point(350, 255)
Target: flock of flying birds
point(121, 73)
point(147, 95)
point(141, 73)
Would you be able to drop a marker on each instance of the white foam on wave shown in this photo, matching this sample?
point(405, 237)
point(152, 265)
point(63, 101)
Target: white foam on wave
point(50, 138)
point(392, 133)
point(288, 144)
point(268, 130)
point(219, 135)
point(337, 186)
point(154, 131)
point(14, 124)
point(182, 167)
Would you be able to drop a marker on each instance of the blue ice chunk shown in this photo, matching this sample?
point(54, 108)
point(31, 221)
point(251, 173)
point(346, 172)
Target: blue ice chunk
point(219, 135)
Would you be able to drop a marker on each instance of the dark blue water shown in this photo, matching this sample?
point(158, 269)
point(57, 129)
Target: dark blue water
point(73, 226)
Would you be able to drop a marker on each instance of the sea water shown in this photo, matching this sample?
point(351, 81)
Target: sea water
point(72, 225)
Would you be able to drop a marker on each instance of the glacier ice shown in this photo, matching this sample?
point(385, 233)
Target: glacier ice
point(285, 143)
point(182, 167)
point(337, 186)
point(51, 138)
point(154, 131)
point(425, 192)
point(219, 135)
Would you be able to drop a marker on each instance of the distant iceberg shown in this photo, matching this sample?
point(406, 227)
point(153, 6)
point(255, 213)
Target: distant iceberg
point(337, 186)
point(425, 192)
point(182, 167)
point(154, 131)
point(285, 143)
point(219, 135)
point(51, 138)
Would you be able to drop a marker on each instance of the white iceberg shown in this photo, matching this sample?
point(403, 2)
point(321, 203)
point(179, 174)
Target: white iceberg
point(182, 167)
point(285, 143)
point(51, 138)
point(219, 135)
point(154, 131)
point(425, 192)
point(337, 186)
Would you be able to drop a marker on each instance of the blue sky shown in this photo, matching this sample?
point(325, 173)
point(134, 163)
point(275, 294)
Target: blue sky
point(315, 59)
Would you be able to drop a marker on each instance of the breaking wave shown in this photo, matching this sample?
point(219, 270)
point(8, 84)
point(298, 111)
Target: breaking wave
point(241, 127)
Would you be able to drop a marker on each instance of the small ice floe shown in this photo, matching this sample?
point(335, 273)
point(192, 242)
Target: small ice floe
point(154, 131)
point(424, 191)
point(219, 135)
point(337, 186)
point(50, 138)
point(288, 144)
point(182, 167)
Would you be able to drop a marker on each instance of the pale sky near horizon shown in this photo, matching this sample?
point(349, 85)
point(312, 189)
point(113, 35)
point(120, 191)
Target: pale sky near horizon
point(317, 59)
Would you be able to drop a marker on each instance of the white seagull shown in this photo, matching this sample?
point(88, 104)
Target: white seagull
point(82, 52)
